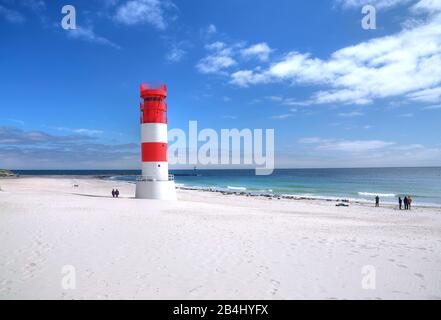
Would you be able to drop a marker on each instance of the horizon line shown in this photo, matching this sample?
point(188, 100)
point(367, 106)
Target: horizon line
point(284, 168)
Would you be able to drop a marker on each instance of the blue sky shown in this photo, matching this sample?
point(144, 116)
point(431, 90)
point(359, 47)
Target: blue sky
point(337, 95)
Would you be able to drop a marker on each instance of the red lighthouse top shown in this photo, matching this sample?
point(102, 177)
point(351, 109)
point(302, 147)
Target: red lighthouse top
point(153, 107)
point(153, 90)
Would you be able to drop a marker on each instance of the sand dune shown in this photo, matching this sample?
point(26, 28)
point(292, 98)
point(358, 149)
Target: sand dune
point(208, 246)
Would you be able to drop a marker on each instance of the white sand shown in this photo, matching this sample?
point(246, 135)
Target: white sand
point(207, 245)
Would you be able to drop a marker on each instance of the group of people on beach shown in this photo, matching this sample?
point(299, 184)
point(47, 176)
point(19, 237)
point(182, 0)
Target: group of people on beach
point(115, 193)
point(407, 202)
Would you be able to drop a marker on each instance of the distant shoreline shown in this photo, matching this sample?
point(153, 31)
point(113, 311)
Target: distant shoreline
point(270, 196)
point(232, 169)
point(243, 193)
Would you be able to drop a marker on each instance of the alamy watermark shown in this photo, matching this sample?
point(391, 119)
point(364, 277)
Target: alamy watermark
point(69, 21)
point(369, 277)
point(249, 147)
point(369, 21)
point(68, 280)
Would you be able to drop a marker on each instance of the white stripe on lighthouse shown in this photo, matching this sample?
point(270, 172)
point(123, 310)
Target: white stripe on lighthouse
point(155, 170)
point(154, 132)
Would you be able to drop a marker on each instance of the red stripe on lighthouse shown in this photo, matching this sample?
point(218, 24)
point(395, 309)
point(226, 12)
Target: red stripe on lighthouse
point(154, 151)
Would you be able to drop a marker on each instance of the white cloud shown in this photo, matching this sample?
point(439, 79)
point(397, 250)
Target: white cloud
point(355, 146)
point(357, 153)
point(208, 32)
point(16, 121)
point(409, 147)
point(282, 116)
point(80, 131)
point(219, 58)
point(143, 12)
point(87, 34)
point(376, 3)
point(88, 131)
point(295, 102)
point(175, 54)
point(351, 114)
point(35, 5)
point(274, 98)
point(211, 29)
point(222, 56)
point(310, 140)
point(215, 63)
point(261, 51)
point(41, 150)
point(15, 16)
point(366, 71)
point(427, 95)
point(245, 78)
point(430, 6)
point(434, 107)
point(406, 115)
point(12, 16)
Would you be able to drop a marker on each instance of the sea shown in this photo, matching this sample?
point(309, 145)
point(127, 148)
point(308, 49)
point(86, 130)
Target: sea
point(360, 184)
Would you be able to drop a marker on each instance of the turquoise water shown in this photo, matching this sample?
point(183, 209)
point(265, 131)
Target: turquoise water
point(423, 184)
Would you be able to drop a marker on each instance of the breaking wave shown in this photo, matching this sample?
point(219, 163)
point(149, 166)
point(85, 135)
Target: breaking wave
point(370, 194)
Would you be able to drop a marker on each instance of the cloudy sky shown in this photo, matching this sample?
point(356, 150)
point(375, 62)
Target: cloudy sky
point(336, 94)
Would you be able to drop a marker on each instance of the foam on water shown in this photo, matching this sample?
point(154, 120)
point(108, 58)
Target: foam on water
point(373, 194)
point(237, 188)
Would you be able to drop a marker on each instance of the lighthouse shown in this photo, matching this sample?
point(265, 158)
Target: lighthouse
point(155, 182)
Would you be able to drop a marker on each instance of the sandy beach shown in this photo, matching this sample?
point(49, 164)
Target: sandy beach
point(208, 245)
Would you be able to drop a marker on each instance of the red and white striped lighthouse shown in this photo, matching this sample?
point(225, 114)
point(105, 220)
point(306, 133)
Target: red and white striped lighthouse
point(155, 182)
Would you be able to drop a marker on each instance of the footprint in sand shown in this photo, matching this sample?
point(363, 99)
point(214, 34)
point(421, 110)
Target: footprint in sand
point(419, 275)
point(275, 287)
point(195, 289)
point(4, 285)
point(261, 270)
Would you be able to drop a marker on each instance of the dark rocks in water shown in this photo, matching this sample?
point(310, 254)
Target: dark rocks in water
point(341, 205)
point(7, 173)
point(341, 202)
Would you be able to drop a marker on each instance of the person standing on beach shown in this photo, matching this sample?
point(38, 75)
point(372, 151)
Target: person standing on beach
point(113, 193)
point(117, 193)
point(406, 203)
point(400, 203)
point(409, 203)
point(377, 201)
